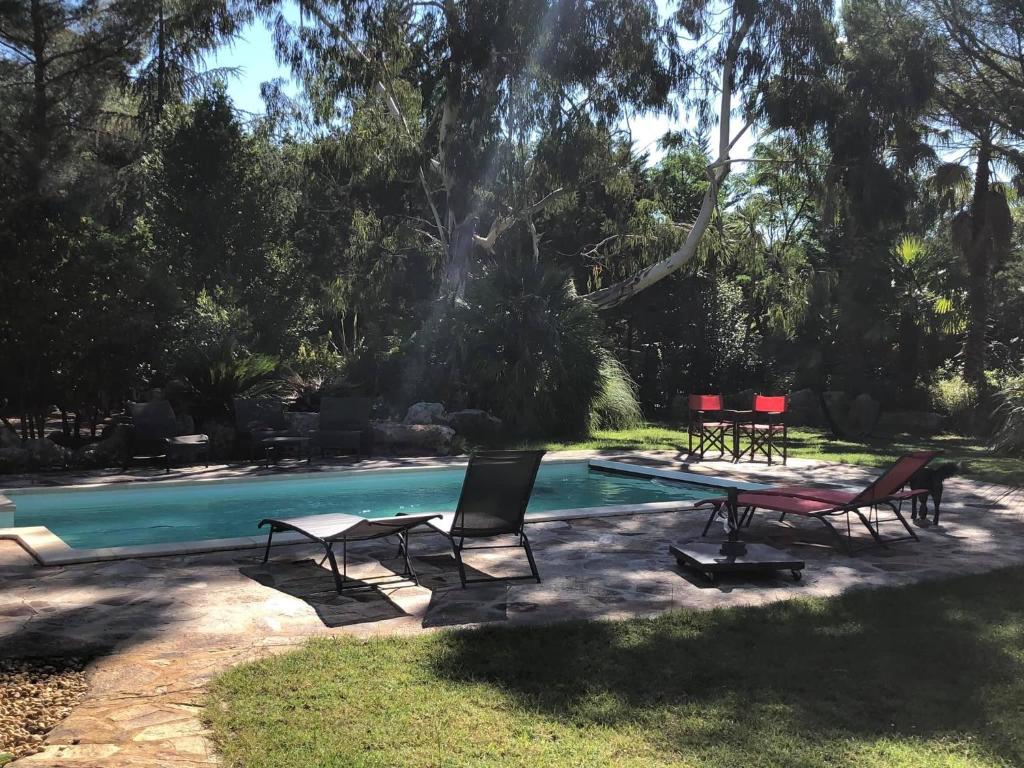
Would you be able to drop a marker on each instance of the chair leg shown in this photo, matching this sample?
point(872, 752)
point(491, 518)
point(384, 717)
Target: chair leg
point(529, 556)
point(457, 551)
point(403, 547)
point(266, 554)
point(339, 582)
point(711, 518)
point(903, 520)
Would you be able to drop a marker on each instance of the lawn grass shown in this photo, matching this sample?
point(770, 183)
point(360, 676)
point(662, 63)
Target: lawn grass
point(979, 461)
point(923, 676)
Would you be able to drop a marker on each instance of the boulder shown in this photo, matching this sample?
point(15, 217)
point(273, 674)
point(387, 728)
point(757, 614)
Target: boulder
point(302, 423)
point(804, 409)
point(46, 453)
point(863, 414)
point(922, 422)
point(475, 424)
point(425, 413)
point(107, 452)
point(838, 404)
point(426, 438)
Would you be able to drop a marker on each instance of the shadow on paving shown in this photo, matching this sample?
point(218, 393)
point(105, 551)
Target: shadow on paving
point(314, 585)
point(450, 604)
point(939, 660)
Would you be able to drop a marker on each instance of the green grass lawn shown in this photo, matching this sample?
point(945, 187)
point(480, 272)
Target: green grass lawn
point(980, 463)
point(929, 675)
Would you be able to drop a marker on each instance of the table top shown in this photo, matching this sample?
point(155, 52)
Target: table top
point(285, 439)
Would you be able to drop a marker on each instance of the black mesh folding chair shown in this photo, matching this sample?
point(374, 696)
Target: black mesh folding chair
point(493, 503)
point(344, 424)
point(155, 435)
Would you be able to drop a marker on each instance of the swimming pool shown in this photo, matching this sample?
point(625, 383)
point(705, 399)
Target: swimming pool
point(152, 517)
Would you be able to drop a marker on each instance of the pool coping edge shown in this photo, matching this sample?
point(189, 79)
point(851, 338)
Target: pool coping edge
point(48, 549)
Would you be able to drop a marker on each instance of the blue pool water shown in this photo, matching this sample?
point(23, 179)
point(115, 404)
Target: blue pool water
point(156, 513)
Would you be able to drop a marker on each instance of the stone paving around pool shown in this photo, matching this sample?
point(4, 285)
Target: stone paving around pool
point(161, 628)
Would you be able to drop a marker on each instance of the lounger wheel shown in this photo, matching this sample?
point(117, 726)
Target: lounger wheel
point(797, 575)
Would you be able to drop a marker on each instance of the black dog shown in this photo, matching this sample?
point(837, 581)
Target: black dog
point(931, 479)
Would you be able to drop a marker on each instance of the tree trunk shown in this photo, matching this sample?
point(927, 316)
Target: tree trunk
point(161, 65)
point(460, 251)
point(40, 105)
point(614, 295)
point(978, 267)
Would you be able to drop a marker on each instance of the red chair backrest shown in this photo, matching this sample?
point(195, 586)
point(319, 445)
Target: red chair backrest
point(705, 402)
point(770, 403)
point(896, 476)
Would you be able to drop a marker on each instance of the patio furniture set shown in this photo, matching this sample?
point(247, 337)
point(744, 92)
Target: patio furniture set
point(497, 489)
point(716, 427)
point(261, 427)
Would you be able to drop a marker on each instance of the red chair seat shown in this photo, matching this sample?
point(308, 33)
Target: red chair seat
point(762, 427)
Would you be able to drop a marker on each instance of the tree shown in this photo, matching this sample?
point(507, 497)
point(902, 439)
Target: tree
point(466, 82)
point(979, 115)
point(737, 50)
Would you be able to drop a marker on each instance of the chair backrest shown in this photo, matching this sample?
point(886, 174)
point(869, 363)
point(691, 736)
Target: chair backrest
point(265, 412)
point(154, 420)
point(705, 403)
point(340, 413)
point(495, 493)
point(896, 476)
point(769, 404)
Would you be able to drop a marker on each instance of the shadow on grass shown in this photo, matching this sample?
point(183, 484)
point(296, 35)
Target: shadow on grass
point(933, 662)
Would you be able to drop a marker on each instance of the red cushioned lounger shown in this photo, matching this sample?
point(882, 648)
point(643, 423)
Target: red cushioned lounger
point(824, 503)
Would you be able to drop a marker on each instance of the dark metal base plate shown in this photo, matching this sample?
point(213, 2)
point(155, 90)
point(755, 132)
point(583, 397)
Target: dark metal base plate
point(759, 558)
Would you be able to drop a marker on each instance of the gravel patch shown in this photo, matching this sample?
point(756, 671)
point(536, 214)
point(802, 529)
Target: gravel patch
point(35, 695)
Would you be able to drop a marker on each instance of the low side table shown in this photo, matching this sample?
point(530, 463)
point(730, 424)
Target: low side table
point(272, 447)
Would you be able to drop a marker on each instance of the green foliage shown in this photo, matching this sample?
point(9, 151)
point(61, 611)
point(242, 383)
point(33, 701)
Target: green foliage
point(522, 346)
point(957, 398)
point(1009, 437)
point(219, 376)
point(616, 405)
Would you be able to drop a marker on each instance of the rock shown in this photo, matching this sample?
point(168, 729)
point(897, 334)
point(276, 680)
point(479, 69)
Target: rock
point(9, 438)
point(475, 424)
point(107, 452)
point(425, 413)
point(430, 438)
point(804, 409)
point(838, 404)
point(46, 453)
point(863, 414)
point(922, 422)
point(302, 423)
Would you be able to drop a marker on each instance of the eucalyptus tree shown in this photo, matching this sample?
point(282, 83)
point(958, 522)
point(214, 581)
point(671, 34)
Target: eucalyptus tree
point(471, 85)
point(731, 57)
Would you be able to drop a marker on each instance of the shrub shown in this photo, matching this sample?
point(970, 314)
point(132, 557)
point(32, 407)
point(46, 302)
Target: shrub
point(522, 345)
point(616, 405)
point(958, 399)
point(1009, 415)
point(216, 378)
